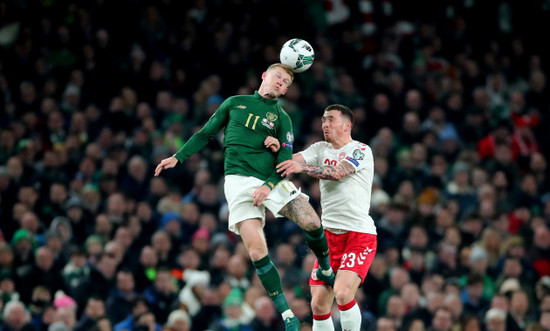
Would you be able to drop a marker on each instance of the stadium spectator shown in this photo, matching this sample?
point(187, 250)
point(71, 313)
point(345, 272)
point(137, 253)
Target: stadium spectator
point(452, 106)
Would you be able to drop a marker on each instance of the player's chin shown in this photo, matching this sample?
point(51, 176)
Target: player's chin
point(278, 91)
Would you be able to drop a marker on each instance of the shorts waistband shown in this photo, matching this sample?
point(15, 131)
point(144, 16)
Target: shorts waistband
point(336, 231)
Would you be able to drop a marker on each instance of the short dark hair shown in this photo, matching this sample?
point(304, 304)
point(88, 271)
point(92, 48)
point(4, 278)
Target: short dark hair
point(345, 111)
point(473, 279)
point(140, 298)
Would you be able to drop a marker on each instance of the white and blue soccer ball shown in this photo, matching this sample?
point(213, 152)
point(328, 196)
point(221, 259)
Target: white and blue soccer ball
point(298, 54)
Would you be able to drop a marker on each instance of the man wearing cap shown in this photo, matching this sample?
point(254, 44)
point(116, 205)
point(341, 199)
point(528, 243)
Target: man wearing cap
point(233, 313)
point(16, 317)
point(171, 223)
point(179, 320)
point(91, 199)
point(23, 244)
point(495, 320)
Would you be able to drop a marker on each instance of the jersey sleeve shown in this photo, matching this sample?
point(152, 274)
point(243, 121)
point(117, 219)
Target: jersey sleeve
point(200, 139)
point(286, 138)
point(360, 157)
point(313, 154)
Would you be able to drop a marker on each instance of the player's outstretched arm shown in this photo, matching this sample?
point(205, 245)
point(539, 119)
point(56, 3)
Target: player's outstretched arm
point(329, 172)
point(326, 172)
point(289, 167)
point(166, 164)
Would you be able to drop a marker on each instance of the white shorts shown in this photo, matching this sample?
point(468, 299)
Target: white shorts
point(238, 193)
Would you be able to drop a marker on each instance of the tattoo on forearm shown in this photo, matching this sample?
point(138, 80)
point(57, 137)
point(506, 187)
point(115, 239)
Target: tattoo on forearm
point(329, 172)
point(300, 212)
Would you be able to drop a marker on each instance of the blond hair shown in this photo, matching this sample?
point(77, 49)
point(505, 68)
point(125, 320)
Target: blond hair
point(285, 67)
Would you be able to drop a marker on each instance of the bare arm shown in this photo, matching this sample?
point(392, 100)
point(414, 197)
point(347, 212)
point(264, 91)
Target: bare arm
point(297, 165)
point(329, 172)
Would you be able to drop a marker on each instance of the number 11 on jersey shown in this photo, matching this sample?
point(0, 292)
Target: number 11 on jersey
point(255, 121)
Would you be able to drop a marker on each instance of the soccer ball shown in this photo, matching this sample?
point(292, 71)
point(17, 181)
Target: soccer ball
point(298, 54)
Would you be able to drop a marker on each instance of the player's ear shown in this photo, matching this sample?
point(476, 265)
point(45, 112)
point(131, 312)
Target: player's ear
point(264, 74)
point(284, 92)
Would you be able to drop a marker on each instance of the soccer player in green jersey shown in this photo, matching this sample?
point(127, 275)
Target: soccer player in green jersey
point(252, 182)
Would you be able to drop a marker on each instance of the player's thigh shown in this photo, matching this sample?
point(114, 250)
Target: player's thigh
point(282, 194)
point(299, 210)
point(358, 254)
point(239, 195)
point(346, 284)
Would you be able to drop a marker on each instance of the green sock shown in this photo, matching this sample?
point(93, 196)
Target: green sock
point(269, 276)
point(317, 242)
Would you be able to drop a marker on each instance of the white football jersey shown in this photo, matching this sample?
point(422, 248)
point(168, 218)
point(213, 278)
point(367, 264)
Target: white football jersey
point(345, 203)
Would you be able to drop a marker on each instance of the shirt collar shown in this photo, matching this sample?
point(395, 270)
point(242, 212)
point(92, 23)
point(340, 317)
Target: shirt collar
point(268, 101)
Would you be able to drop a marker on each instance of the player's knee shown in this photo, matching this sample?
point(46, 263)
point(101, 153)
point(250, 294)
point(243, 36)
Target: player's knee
point(320, 306)
point(343, 295)
point(257, 253)
point(311, 224)
point(316, 222)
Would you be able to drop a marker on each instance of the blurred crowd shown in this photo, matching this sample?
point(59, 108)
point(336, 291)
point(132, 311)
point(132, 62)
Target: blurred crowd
point(453, 99)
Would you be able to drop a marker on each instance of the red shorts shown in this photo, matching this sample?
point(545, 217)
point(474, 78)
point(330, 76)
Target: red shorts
point(353, 251)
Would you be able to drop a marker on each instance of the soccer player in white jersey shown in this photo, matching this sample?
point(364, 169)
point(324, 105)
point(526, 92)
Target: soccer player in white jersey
point(345, 168)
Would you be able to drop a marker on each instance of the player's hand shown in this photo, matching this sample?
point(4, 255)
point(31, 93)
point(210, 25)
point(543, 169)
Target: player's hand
point(260, 194)
point(288, 167)
point(166, 164)
point(272, 143)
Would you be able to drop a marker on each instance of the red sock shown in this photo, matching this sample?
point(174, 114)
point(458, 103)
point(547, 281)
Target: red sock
point(347, 305)
point(321, 317)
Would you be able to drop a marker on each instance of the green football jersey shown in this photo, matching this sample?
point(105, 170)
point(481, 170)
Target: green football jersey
point(248, 120)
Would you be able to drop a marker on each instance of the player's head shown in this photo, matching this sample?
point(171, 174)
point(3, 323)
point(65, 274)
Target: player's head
point(286, 69)
point(337, 122)
point(276, 80)
point(345, 111)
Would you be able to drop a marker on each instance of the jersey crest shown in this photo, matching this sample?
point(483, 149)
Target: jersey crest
point(271, 117)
